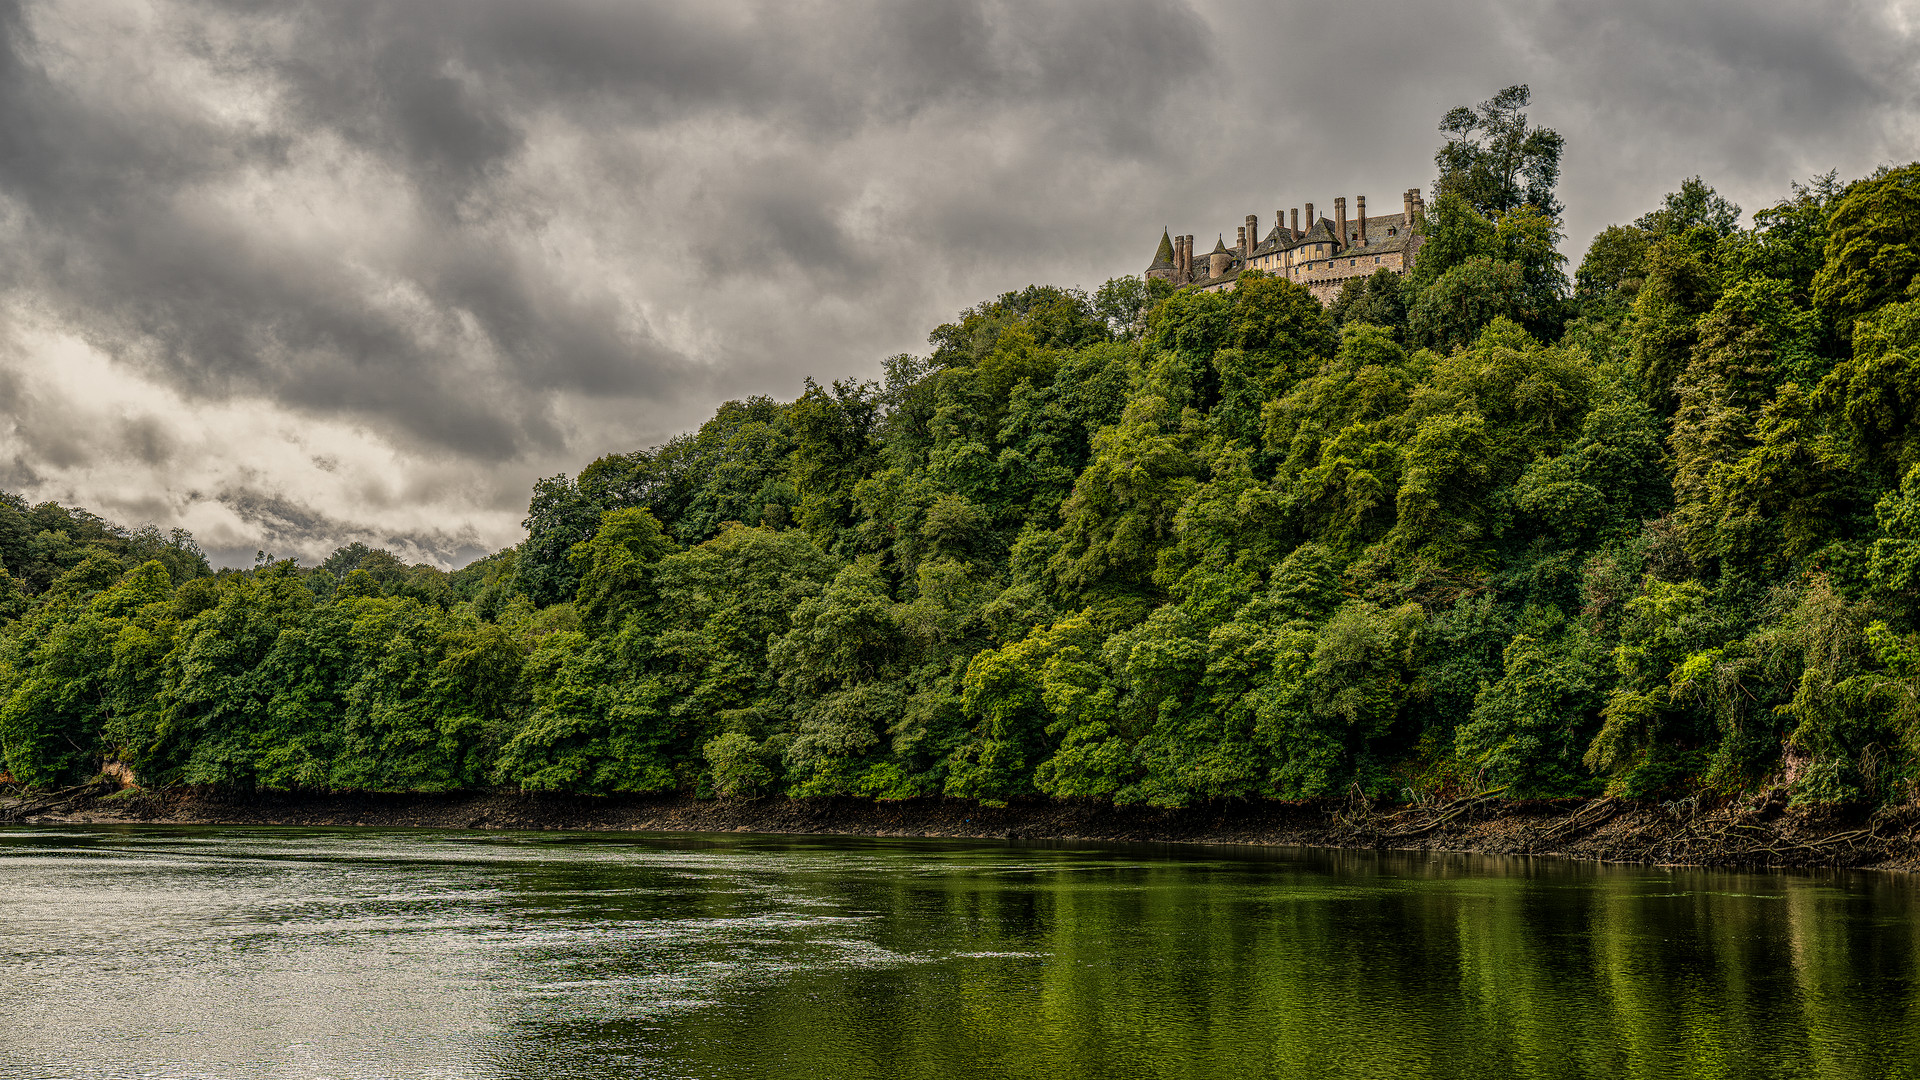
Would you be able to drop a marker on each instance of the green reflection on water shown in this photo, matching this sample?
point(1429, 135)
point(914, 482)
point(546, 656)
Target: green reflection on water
point(181, 952)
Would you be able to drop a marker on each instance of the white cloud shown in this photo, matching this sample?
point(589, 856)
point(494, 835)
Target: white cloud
point(84, 430)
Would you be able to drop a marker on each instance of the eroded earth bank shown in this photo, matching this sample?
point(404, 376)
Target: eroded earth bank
point(1758, 831)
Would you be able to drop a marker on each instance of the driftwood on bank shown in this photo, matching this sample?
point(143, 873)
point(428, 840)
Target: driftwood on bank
point(1758, 832)
point(27, 804)
point(1754, 832)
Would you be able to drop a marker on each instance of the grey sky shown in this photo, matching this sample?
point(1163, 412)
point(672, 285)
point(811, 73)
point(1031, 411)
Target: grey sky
point(294, 275)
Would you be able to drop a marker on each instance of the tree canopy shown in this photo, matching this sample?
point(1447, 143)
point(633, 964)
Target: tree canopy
point(1495, 160)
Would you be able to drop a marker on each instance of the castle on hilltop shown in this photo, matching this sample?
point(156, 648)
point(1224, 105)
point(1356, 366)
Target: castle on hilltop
point(1323, 257)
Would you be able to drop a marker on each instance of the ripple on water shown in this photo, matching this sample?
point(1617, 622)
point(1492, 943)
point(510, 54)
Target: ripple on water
point(176, 952)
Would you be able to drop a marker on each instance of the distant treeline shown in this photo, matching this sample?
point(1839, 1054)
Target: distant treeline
point(1653, 531)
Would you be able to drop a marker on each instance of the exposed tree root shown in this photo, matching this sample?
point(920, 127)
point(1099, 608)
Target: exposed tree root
point(1758, 833)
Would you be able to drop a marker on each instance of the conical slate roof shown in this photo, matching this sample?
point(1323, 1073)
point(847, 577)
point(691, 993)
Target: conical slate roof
point(1163, 258)
point(1220, 247)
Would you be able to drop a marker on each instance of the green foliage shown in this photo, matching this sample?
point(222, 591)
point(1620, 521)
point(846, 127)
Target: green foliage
point(1894, 567)
point(615, 567)
point(1462, 302)
point(560, 516)
point(1525, 727)
point(1613, 270)
point(1495, 160)
point(1123, 507)
point(1681, 285)
point(1380, 299)
point(1875, 395)
point(738, 769)
point(1695, 206)
point(1123, 302)
point(1872, 246)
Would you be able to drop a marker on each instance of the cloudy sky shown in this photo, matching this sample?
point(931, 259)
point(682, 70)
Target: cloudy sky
point(297, 274)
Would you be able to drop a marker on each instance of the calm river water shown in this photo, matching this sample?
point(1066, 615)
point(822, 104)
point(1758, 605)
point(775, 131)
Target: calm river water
point(177, 952)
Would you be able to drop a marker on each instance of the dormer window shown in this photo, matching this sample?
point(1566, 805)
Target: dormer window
point(1391, 231)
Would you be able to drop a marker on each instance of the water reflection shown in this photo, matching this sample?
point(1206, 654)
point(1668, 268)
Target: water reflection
point(343, 953)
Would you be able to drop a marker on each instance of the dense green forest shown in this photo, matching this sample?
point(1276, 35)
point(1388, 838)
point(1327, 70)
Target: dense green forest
point(1651, 530)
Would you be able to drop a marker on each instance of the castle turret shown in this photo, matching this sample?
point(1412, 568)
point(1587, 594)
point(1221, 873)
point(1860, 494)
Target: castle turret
point(1162, 266)
point(1219, 258)
point(1340, 222)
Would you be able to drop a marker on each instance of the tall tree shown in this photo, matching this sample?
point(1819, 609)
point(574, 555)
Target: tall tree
point(1495, 160)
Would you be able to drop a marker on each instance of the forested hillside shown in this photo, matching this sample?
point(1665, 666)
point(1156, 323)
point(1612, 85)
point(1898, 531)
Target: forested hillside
point(1653, 531)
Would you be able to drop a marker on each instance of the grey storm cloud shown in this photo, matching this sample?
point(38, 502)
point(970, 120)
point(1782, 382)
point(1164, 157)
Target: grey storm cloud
point(305, 273)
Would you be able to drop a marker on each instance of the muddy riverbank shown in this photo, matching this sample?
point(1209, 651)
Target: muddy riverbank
point(1759, 831)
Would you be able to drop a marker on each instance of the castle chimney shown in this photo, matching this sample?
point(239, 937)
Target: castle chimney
point(1340, 221)
point(1241, 245)
point(1279, 224)
point(1180, 259)
point(1190, 272)
point(1296, 223)
point(1406, 208)
point(1253, 234)
point(1311, 220)
point(1360, 209)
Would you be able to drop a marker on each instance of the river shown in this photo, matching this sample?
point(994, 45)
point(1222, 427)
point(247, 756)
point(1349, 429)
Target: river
point(340, 953)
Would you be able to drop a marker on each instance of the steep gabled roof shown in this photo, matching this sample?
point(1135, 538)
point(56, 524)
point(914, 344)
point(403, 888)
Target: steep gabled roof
point(1320, 232)
point(1278, 240)
point(1163, 256)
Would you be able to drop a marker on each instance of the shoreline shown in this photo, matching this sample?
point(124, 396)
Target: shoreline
point(1757, 833)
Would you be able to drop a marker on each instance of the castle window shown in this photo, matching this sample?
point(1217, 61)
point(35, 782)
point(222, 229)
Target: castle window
point(1391, 231)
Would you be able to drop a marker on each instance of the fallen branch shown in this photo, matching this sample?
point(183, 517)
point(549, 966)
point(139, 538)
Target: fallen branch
point(1583, 820)
point(36, 804)
point(1449, 812)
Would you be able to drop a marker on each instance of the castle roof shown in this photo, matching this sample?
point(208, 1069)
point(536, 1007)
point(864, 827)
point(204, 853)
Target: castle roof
point(1378, 238)
point(1163, 257)
point(1220, 247)
point(1277, 240)
point(1319, 232)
